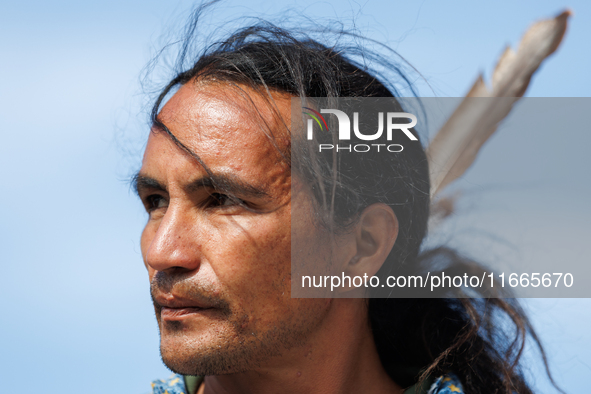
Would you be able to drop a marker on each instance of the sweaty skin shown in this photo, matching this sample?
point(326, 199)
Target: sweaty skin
point(217, 247)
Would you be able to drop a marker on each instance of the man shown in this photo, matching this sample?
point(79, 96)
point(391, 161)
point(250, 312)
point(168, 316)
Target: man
point(220, 272)
point(220, 188)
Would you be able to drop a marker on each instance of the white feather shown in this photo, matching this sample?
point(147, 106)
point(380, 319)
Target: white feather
point(454, 148)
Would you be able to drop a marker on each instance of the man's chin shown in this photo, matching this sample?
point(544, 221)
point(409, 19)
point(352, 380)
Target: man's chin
point(186, 358)
point(224, 347)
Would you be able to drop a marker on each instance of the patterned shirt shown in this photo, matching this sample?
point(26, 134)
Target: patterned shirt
point(446, 384)
point(179, 384)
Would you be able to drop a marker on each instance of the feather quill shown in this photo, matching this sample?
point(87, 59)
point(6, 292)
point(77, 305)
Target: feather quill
point(454, 148)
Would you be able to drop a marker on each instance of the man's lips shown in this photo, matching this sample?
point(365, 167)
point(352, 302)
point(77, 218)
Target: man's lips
point(173, 302)
point(175, 308)
point(180, 313)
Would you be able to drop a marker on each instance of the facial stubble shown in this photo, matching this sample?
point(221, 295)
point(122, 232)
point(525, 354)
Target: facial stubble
point(232, 342)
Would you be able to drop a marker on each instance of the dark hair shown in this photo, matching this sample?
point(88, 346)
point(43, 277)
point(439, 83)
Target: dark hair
point(479, 339)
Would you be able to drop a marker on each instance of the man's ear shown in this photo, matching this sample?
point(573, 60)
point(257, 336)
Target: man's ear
point(374, 236)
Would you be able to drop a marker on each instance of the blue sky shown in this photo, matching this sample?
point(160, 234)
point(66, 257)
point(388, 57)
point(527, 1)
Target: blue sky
point(77, 314)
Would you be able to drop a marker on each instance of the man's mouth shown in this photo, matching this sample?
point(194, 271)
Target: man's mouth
point(178, 300)
point(167, 313)
point(175, 307)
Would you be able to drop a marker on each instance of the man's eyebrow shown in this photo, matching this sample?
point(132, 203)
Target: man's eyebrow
point(227, 183)
point(141, 182)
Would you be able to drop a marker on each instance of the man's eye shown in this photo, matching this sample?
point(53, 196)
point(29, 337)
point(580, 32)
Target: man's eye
point(223, 200)
point(155, 201)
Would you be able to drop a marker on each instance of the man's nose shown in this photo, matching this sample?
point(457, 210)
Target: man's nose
point(175, 243)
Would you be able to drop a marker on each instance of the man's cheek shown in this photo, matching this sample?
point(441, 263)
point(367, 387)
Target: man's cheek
point(261, 278)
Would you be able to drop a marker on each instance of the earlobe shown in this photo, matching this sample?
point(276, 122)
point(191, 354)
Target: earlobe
point(354, 260)
point(374, 237)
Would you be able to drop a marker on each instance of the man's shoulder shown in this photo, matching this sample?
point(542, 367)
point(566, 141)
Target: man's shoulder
point(446, 384)
point(176, 384)
point(179, 384)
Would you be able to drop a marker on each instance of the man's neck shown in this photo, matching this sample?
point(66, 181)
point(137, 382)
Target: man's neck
point(340, 357)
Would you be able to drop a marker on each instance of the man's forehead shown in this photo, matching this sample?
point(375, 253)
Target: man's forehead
point(224, 111)
point(207, 156)
point(247, 176)
point(221, 128)
point(205, 127)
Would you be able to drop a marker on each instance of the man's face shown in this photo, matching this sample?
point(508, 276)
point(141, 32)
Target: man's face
point(217, 246)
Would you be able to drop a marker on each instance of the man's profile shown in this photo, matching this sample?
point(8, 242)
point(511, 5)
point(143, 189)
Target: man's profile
point(218, 185)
